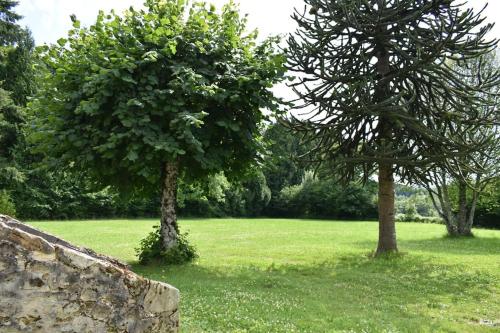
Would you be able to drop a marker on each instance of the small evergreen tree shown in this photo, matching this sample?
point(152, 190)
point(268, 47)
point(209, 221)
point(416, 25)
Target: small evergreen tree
point(16, 76)
point(16, 49)
point(11, 120)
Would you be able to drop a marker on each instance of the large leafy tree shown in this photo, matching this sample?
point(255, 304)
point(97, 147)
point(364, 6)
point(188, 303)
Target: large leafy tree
point(374, 75)
point(140, 99)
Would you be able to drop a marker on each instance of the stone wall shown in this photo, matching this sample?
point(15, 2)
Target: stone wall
point(48, 285)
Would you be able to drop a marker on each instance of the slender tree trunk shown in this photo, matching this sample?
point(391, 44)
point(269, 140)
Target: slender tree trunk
point(462, 209)
point(450, 219)
point(387, 223)
point(169, 228)
point(472, 212)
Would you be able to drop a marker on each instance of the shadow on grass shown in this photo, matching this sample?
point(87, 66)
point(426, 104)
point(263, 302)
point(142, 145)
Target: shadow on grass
point(341, 292)
point(407, 278)
point(447, 245)
point(462, 246)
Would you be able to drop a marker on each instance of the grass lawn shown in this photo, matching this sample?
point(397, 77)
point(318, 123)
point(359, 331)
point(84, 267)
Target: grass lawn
point(267, 275)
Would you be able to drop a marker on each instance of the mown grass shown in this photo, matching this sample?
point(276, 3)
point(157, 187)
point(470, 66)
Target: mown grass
point(268, 275)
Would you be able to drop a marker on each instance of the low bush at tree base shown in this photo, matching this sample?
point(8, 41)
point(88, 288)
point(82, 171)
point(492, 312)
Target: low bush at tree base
point(151, 250)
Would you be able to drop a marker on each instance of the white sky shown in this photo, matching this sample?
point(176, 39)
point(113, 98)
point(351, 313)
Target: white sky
point(49, 19)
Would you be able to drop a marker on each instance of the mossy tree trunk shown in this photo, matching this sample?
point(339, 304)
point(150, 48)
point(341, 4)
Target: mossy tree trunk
point(169, 228)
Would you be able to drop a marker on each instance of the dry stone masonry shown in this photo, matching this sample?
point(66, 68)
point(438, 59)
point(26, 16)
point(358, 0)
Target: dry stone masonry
point(49, 285)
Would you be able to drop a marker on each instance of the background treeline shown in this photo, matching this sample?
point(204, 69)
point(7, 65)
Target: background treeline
point(279, 187)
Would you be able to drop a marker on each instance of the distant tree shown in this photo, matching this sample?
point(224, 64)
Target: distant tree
point(281, 164)
point(11, 121)
point(140, 99)
point(373, 75)
point(317, 197)
point(469, 174)
point(488, 206)
point(8, 21)
point(256, 194)
point(16, 54)
point(16, 84)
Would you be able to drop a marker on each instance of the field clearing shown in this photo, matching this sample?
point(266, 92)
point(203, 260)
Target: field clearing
point(273, 275)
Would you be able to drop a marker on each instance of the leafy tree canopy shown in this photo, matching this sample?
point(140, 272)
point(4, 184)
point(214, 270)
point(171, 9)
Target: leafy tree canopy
point(175, 82)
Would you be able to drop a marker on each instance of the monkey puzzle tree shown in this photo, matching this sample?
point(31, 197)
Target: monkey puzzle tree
point(373, 78)
point(469, 173)
point(140, 99)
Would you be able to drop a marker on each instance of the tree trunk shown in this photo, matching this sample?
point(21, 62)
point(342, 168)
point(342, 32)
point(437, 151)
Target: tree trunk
point(387, 224)
point(450, 219)
point(451, 228)
point(472, 212)
point(462, 221)
point(169, 229)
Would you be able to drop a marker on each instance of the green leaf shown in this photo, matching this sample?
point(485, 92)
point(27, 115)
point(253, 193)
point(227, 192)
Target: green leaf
point(172, 47)
point(135, 102)
point(151, 56)
point(128, 78)
point(132, 156)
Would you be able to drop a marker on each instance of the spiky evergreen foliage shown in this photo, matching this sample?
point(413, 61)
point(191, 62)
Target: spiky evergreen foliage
point(378, 87)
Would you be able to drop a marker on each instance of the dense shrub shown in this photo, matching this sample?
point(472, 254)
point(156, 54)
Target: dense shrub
point(320, 198)
point(6, 205)
point(488, 207)
point(418, 218)
point(59, 196)
point(219, 197)
point(151, 250)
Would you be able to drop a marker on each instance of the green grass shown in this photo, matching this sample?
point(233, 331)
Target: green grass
point(316, 276)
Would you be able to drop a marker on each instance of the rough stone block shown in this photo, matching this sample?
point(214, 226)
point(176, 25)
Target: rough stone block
point(49, 285)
